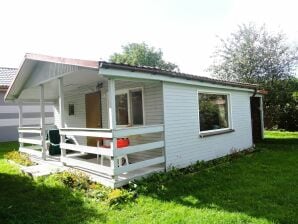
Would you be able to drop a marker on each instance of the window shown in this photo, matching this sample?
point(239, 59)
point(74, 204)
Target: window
point(213, 111)
point(122, 109)
point(70, 109)
point(129, 107)
point(136, 107)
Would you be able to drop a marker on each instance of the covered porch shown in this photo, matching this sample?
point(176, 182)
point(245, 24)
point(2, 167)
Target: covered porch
point(114, 125)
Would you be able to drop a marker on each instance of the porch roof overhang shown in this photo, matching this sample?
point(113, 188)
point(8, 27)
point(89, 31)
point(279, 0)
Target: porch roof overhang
point(30, 74)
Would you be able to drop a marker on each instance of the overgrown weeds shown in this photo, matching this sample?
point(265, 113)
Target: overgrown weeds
point(74, 179)
point(79, 181)
point(19, 158)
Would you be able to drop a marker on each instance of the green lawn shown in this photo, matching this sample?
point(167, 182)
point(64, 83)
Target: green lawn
point(258, 188)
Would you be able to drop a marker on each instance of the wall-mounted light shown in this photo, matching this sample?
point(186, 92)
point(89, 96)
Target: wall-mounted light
point(99, 86)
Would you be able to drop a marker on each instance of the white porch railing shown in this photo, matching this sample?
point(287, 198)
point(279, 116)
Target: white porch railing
point(99, 151)
point(113, 170)
point(35, 142)
point(126, 132)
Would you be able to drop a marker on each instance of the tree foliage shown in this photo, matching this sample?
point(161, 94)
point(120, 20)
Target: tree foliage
point(281, 104)
point(140, 54)
point(253, 55)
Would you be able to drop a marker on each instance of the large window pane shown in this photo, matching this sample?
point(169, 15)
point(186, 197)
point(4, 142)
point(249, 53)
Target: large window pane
point(136, 107)
point(121, 109)
point(213, 111)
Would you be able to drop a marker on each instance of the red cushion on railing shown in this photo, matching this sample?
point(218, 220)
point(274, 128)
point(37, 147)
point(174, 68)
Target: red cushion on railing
point(121, 142)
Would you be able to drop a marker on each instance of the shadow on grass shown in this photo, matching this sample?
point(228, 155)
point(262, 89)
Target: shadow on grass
point(7, 147)
point(261, 185)
point(25, 201)
point(280, 141)
point(279, 144)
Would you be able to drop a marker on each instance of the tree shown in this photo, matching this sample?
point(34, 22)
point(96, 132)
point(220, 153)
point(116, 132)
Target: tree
point(253, 55)
point(281, 105)
point(140, 54)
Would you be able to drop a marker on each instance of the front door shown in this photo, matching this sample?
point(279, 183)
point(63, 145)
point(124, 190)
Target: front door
point(93, 114)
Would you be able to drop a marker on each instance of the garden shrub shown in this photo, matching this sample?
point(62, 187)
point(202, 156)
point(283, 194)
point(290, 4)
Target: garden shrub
point(98, 192)
point(119, 196)
point(19, 157)
point(74, 179)
point(79, 181)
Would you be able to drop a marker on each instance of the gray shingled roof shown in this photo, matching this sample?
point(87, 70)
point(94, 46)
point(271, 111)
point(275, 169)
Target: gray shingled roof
point(6, 76)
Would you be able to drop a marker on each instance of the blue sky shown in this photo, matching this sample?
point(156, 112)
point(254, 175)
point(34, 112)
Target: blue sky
point(185, 30)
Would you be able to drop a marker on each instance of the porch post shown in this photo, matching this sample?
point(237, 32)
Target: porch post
point(42, 123)
point(112, 105)
point(20, 105)
point(61, 111)
point(112, 120)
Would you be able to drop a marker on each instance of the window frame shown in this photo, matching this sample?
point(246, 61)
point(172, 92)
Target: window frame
point(230, 121)
point(129, 102)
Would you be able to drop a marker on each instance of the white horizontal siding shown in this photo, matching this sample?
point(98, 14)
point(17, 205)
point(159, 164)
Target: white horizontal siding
point(153, 106)
point(56, 114)
point(76, 97)
point(183, 144)
point(9, 118)
point(26, 121)
point(26, 109)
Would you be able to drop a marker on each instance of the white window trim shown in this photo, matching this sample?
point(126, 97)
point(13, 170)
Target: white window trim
point(230, 121)
point(127, 91)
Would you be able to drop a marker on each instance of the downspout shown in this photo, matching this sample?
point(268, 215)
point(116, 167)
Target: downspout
point(100, 64)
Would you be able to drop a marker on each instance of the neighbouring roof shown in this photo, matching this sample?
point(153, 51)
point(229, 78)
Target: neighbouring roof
point(158, 71)
point(6, 77)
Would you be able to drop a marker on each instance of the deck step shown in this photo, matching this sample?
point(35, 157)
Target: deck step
point(42, 170)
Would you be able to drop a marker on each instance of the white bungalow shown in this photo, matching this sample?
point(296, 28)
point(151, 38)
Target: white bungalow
point(126, 122)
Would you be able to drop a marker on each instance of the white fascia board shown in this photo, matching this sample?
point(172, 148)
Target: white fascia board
point(116, 73)
point(18, 82)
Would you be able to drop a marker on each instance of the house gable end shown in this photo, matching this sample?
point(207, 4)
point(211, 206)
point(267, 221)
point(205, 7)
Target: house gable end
point(45, 71)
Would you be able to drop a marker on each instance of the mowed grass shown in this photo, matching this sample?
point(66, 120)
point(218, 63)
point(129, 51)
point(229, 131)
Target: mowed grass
point(258, 188)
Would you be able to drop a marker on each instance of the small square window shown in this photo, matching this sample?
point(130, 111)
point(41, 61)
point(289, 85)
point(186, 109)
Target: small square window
point(71, 109)
point(213, 111)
